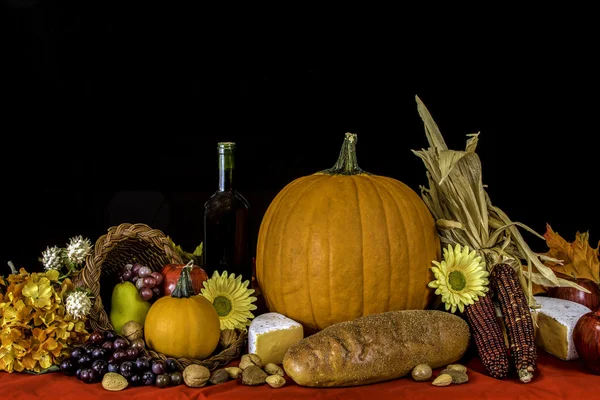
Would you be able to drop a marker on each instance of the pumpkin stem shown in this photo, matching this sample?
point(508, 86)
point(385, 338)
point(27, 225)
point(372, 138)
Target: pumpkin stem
point(347, 163)
point(184, 287)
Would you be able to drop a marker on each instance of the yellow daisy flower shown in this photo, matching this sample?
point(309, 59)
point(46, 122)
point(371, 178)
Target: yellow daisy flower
point(231, 298)
point(461, 278)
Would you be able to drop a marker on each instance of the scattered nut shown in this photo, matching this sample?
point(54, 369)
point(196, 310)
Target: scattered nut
point(234, 372)
point(442, 380)
point(275, 381)
point(457, 376)
point(253, 375)
point(250, 359)
point(132, 330)
point(421, 372)
point(273, 369)
point(195, 375)
point(114, 382)
point(219, 376)
point(457, 367)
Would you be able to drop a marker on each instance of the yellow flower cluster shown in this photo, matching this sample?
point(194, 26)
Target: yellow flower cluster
point(35, 328)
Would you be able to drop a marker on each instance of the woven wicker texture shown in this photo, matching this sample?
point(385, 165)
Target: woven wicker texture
point(218, 360)
point(131, 243)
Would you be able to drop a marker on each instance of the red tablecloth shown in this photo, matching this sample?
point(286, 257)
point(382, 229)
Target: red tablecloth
point(554, 379)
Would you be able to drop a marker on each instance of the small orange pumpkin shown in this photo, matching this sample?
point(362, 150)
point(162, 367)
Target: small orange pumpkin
point(183, 325)
point(343, 243)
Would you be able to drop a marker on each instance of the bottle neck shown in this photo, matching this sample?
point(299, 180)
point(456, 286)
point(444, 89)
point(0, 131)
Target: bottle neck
point(226, 167)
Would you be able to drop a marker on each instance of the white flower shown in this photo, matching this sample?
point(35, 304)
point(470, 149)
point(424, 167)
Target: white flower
point(78, 304)
point(78, 249)
point(53, 258)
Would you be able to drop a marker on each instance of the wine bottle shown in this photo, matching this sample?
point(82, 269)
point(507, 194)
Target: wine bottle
point(226, 222)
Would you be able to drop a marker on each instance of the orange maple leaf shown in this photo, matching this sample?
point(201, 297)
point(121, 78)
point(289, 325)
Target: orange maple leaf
point(580, 260)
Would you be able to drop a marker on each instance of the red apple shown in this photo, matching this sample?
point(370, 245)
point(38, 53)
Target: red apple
point(586, 337)
point(590, 300)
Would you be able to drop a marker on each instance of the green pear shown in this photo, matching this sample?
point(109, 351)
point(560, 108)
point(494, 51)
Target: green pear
point(127, 305)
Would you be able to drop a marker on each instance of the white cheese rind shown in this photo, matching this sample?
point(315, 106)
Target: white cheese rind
point(270, 335)
point(557, 319)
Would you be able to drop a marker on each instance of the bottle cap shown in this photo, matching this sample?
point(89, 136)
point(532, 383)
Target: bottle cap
point(225, 146)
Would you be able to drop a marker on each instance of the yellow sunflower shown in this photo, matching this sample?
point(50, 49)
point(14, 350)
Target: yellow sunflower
point(461, 278)
point(231, 298)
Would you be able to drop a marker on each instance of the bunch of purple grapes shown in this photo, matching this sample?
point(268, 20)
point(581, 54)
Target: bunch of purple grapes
point(147, 282)
point(107, 352)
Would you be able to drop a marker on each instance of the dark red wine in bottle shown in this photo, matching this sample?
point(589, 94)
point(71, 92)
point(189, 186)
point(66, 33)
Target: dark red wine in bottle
point(226, 222)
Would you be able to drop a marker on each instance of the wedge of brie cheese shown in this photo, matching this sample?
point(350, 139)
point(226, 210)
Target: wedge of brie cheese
point(556, 321)
point(270, 335)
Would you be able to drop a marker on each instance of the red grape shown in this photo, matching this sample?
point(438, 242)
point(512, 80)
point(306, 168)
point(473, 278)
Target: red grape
point(148, 378)
point(97, 337)
point(138, 344)
point(156, 291)
point(68, 367)
point(159, 367)
point(100, 366)
point(119, 356)
point(120, 343)
point(139, 284)
point(149, 281)
point(127, 275)
point(146, 293)
point(158, 277)
point(176, 378)
point(143, 363)
point(127, 369)
point(144, 271)
point(136, 268)
point(162, 381)
point(132, 353)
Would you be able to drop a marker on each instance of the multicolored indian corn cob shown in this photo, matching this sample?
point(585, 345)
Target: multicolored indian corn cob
point(488, 336)
point(517, 319)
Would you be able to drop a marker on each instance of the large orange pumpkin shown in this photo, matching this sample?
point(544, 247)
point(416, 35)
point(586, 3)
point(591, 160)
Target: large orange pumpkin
point(343, 243)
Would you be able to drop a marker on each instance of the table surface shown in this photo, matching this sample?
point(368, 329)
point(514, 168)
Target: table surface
point(555, 379)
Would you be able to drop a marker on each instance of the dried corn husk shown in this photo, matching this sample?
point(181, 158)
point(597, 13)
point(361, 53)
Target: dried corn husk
point(465, 215)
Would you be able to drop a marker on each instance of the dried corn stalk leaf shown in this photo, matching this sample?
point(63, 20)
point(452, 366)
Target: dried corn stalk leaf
point(464, 213)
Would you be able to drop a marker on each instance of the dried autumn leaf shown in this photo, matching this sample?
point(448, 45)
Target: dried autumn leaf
point(580, 260)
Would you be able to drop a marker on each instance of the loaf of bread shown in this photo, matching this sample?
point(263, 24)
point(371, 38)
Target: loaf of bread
point(377, 348)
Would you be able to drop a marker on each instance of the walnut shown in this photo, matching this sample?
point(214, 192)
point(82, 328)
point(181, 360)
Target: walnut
point(132, 330)
point(195, 375)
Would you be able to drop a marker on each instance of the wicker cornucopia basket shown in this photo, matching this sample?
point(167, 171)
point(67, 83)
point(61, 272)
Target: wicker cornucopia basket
point(130, 243)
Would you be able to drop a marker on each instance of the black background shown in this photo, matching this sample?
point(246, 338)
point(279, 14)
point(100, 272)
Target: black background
point(101, 99)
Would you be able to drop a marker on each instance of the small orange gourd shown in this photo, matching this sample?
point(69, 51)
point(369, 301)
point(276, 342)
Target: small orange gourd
point(183, 325)
point(344, 243)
